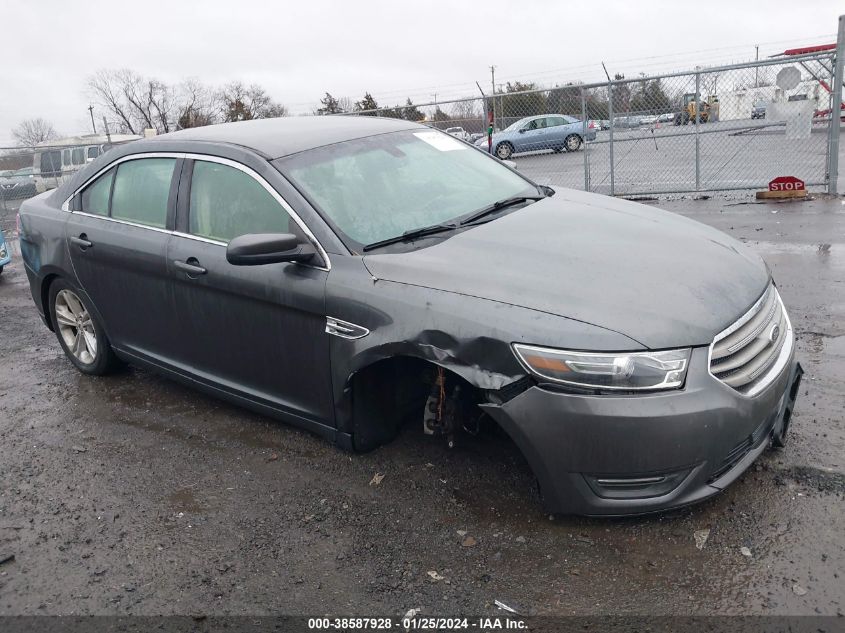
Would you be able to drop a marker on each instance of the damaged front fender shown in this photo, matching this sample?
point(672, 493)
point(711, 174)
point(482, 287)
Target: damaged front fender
point(469, 336)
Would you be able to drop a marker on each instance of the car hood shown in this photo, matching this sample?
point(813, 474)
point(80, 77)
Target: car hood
point(654, 276)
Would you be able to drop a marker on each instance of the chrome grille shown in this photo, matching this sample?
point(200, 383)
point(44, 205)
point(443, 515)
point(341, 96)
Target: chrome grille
point(750, 353)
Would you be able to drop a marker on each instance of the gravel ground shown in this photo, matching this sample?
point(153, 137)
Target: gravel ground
point(134, 495)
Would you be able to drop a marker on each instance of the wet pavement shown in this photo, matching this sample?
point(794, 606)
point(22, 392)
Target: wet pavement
point(133, 494)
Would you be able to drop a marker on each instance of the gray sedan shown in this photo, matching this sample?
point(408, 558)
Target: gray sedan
point(348, 274)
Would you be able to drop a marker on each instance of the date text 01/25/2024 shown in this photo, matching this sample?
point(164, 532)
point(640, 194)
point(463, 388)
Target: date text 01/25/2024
point(417, 623)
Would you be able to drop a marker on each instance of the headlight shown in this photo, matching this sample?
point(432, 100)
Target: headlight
point(617, 371)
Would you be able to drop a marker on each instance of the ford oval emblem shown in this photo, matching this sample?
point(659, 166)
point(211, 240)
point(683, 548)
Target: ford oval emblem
point(774, 333)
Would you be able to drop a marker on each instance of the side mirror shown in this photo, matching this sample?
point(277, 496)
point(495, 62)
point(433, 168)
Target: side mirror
point(522, 130)
point(268, 248)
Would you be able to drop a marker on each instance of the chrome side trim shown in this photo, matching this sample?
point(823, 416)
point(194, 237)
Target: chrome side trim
point(126, 222)
point(345, 329)
point(199, 238)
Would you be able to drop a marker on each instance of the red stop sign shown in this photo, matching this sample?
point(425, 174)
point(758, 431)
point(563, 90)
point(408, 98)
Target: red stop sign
point(786, 183)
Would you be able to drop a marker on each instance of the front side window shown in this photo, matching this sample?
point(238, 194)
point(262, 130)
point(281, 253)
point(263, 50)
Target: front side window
point(93, 152)
point(379, 187)
point(95, 197)
point(141, 191)
point(227, 202)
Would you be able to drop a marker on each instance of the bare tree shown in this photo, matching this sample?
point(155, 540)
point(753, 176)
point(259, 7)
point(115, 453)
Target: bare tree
point(33, 131)
point(133, 102)
point(467, 110)
point(242, 103)
point(196, 105)
point(106, 87)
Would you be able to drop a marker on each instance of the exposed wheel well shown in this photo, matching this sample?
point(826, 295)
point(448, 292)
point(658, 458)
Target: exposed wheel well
point(391, 392)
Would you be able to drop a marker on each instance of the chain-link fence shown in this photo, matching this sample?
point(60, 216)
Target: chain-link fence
point(27, 171)
point(716, 129)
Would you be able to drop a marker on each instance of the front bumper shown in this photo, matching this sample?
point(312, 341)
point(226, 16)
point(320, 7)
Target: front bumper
point(631, 454)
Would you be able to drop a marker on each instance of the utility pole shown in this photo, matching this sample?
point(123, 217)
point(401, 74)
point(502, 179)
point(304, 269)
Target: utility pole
point(434, 118)
point(91, 112)
point(756, 69)
point(493, 86)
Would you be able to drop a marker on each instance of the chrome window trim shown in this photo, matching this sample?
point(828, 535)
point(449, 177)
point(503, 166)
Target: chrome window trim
point(211, 159)
point(764, 381)
point(199, 238)
point(126, 222)
point(275, 194)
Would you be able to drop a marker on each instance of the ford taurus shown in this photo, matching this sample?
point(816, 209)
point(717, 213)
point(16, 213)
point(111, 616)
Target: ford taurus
point(347, 273)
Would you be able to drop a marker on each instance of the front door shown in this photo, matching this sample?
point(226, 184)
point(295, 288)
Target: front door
point(117, 238)
point(255, 331)
point(534, 137)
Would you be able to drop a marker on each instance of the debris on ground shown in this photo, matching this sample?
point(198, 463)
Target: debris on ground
point(376, 480)
point(505, 607)
point(469, 542)
point(798, 590)
point(79, 449)
point(273, 457)
point(434, 576)
point(6, 558)
point(745, 552)
point(701, 537)
point(410, 614)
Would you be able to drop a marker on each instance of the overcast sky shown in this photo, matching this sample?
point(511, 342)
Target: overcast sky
point(393, 49)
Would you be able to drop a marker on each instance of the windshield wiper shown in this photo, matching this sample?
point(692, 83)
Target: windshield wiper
point(501, 204)
point(412, 234)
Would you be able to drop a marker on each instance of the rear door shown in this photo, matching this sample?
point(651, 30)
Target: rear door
point(117, 239)
point(255, 331)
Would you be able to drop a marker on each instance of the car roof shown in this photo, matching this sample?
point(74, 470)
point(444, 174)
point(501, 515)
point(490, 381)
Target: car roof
point(282, 136)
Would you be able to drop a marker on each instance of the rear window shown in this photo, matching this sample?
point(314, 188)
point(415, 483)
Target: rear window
point(141, 191)
point(95, 197)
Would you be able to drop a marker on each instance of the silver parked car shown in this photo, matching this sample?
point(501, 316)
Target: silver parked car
point(556, 132)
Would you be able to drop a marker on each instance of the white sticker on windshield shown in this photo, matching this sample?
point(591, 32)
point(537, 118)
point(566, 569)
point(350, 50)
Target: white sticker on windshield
point(443, 142)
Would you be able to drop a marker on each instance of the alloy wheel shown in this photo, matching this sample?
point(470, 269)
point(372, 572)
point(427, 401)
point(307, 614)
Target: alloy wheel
point(76, 327)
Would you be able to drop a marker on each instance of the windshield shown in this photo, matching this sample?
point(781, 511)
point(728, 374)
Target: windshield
point(515, 126)
point(379, 187)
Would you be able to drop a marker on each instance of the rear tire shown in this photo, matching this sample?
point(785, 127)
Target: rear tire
point(1, 270)
point(572, 143)
point(504, 150)
point(80, 333)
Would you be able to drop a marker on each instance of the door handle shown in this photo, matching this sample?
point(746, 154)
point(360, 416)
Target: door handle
point(191, 267)
point(82, 241)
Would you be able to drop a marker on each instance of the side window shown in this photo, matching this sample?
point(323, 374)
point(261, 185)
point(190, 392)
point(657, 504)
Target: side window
point(141, 190)
point(95, 197)
point(93, 152)
point(226, 203)
point(78, 156)
point(65, 158)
